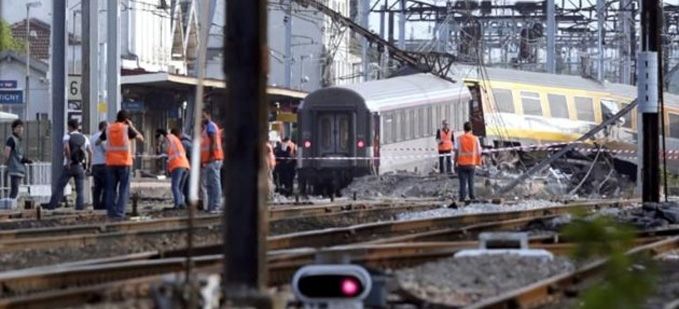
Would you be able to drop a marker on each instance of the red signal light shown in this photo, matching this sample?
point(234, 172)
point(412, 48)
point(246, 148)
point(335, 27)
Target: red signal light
point(360, 144)
point(336, 283)
point(350, 287)
point(307, 144)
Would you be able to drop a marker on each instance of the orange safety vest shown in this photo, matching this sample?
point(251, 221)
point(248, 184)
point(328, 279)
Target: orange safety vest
point(468, 154)
point(176, 154)
point(293, 148)
point(446, 143)
point(270, 157)
point(118, 150)
point(217, 152)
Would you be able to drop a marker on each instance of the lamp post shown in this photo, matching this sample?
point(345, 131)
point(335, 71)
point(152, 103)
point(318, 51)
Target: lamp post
point(27, 86)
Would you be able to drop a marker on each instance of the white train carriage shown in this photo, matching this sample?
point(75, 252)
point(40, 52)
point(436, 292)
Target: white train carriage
point(392, 122)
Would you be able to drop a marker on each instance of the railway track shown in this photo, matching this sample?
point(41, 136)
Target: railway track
point(555, 287)
point(357, 209)
point(91, 280)
point(383, 251)
point(369, 231)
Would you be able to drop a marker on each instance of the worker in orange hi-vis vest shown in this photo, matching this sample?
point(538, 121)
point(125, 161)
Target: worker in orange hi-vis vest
point(444, 137)
point(467, 157)
point(177, 165)
point(119, 137)
point(211, 158)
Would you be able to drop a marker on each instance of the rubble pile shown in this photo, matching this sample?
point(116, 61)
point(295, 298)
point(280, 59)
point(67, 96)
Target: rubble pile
point(402, 184)
point(465, 280)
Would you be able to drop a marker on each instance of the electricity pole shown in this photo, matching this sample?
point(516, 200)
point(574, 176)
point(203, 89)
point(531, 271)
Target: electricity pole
point(58, 85)
point(245, 68)
point(648, 87)
point(113, 58)
point(90, 67)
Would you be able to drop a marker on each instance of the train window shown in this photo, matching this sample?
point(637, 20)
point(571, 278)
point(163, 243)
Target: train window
point(446, 114)
point(411, 130)
point(558, 105)
point(530, 101)
point(608, 109)
point(326, 132)
point(403, 126)
point(504, 101)
point(394, 127)
point(421, 123)
point(674, 125)
point(439, 116)
point(584, 108)
point(344, 130)
point(430, 123)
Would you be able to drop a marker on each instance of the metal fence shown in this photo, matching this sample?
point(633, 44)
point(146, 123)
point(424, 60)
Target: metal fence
point(37, 139)
point(36, 183)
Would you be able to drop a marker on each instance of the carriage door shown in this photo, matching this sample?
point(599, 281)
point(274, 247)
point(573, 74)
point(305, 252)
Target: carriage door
point(476, 110)
point(336, 134)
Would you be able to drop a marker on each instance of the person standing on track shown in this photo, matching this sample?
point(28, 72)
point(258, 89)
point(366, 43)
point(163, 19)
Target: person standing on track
point(16, 162)
point(177, 165)
point(188, 147)
point(99, 169)
point(445, 140)
point(119, 136)
point(467, 157)
point(211, 158)
point(77, 154)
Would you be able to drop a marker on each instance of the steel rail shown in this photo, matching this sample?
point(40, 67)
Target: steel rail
point(71, 281)
point(368, 231)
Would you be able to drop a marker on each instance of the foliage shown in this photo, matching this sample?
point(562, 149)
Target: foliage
point(627, 279)
point(7, 41)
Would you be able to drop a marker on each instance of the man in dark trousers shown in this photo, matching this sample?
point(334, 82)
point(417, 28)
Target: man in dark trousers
point(77, 154)
point(99, 169)
point(467, 157)
point(16, 162)
point(445, 140)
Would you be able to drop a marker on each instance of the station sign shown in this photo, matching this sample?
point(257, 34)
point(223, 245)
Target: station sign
point(11, 97)
point(133, 106)
point(8, 84)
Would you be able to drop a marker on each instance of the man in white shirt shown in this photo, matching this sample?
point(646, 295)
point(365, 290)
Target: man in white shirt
point(76, 157)
point(98, 169)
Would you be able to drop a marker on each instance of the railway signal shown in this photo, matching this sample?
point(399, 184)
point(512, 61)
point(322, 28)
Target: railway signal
point(332, 286)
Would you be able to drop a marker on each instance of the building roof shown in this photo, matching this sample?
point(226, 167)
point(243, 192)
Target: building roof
point(166, 79)
point(36, 64)
point(40, 43)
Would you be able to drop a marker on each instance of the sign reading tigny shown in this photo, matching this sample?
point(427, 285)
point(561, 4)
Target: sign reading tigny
point(11, 97)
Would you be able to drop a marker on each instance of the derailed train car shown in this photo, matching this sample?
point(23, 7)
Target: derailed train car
point(388, 125)
point(344, 132)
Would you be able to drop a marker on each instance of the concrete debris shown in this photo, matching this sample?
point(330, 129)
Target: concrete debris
point(477, 208)
point(464, 281)
point(650, 215)
point(402, 185)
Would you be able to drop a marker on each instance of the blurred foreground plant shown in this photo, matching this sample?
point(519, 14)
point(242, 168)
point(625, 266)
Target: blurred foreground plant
point(628, 279)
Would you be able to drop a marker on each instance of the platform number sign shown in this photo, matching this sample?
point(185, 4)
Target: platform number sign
point(74, 107)
point(74, 93)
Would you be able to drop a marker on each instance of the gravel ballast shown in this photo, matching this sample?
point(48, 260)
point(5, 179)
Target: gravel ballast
point(477, 208)
point(466, 280)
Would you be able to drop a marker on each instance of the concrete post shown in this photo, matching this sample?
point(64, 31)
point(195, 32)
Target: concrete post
point(113, 59)
point(551, 38)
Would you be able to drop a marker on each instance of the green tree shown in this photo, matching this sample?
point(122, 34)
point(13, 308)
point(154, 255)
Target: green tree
point(7, 41)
